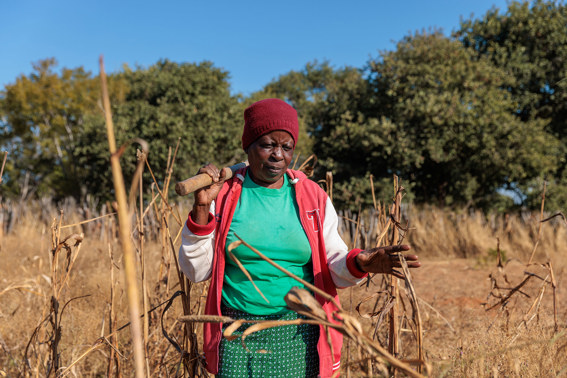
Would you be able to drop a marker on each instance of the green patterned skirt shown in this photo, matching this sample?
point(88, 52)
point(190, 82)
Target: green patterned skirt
point(286, 351)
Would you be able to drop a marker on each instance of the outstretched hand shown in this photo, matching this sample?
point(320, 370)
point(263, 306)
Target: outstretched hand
point(385, 260)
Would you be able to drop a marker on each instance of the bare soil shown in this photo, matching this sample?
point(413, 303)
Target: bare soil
point(462, 337)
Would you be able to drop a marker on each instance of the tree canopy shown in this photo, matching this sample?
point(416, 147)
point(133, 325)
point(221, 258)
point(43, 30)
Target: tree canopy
point(450, 123)
point(529, 42)
point(43, 118)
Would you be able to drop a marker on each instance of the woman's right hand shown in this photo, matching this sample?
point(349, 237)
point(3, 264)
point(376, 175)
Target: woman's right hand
point(204, 197)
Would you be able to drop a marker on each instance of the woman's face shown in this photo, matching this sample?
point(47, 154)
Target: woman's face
point(268, 158)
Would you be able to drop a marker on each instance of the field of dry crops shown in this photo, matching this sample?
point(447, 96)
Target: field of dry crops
point(63, 299)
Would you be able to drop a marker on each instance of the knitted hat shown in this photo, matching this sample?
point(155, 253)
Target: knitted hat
point(269, 115)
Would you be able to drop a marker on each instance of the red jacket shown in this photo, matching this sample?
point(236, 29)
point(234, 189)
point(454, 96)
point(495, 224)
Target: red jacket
point(312, 202)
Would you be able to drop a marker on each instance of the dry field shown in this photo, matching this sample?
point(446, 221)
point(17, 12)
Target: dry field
point(61, 313)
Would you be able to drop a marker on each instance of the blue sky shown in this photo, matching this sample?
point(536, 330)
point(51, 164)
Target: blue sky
point(255, 41)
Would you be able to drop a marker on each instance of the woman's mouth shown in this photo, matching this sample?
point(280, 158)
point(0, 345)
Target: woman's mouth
point(273, 170)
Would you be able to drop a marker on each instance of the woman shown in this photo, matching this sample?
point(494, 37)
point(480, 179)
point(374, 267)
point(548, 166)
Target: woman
point(291, 220)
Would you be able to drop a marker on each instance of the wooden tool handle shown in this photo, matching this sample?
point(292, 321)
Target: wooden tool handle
point(202, 180)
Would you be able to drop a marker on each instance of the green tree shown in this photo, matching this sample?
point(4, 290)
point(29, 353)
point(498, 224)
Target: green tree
point(529, 42)
point(43, 117)
point(451, 124)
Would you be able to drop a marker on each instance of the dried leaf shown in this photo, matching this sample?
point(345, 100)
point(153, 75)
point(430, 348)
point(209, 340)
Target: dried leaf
point(228, 332)
point(300, 300)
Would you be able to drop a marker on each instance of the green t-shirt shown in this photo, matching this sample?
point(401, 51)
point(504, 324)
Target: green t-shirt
point(268, 220)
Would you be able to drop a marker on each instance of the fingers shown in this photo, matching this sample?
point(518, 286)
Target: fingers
point(386, 259)
point(410, 264)
point(205, 195)
point(416, 264)
point(223, 173)
point(396, 248)
point(411, 261)
point(212, 171)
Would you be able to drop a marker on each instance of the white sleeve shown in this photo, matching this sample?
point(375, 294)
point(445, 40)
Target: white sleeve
point(337, 250)
point(196, 253)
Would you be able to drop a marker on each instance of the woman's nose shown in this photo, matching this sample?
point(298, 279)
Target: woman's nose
point(278, 152)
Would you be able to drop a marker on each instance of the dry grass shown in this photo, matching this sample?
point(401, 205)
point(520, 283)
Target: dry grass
point(441, 233)
point(461, 338)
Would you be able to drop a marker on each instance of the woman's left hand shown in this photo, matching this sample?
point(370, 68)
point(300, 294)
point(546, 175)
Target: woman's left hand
point(385, 260)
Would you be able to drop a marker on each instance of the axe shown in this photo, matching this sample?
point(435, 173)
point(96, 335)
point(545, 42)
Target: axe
point(202, 180)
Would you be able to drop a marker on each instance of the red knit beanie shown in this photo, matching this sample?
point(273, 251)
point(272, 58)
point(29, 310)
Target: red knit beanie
point(269, 115)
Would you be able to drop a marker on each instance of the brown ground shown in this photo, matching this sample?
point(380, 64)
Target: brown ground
point(461, 338)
